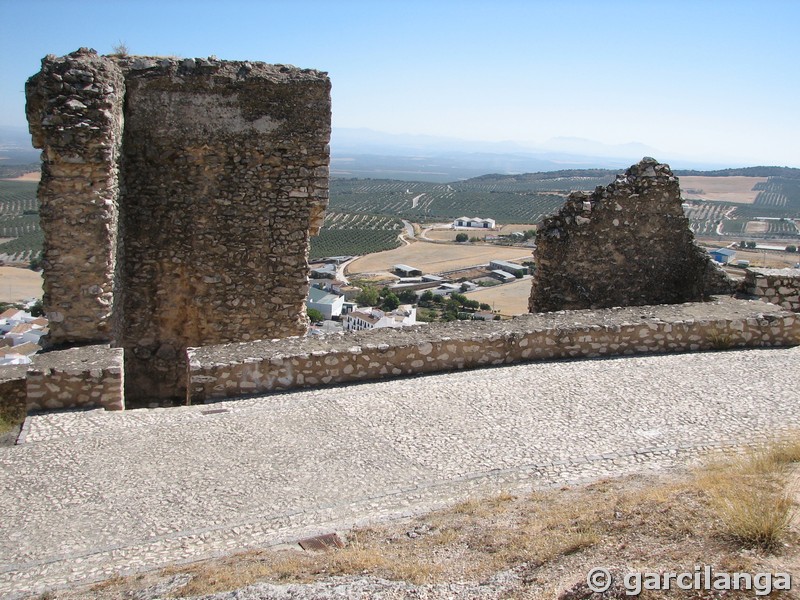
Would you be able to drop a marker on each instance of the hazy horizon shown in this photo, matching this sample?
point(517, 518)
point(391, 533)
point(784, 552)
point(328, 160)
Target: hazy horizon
point(710, 81)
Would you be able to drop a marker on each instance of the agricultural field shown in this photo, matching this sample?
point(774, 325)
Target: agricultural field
point(17, 285)
point(736, 190)
point(436, 258)
point(781, 193)
point(429, 202)
point(449, 235)
point(19, 221)
point(355, 234)
point(509, 299)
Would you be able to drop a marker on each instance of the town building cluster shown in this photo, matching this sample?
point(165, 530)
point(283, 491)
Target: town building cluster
point(22, 336)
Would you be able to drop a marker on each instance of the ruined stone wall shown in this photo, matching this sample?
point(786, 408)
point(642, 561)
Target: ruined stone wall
point(777, 286)
point(258, 367)
point(189, 224)
point(84, 377)
point(225, 177)
point(74, 112)
point(628, 244)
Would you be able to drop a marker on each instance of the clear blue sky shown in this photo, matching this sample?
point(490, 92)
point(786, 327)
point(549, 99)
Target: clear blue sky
point(717, 80)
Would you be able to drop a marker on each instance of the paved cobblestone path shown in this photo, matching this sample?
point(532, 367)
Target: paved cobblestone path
point(91, 494)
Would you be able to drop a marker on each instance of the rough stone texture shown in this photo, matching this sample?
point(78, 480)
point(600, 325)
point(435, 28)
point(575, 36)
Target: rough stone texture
point(777, 286)
point(265, 366)
point(628, 244)
point(223, 177)
point(84, 377)
point(74, 112)
point(12, 392)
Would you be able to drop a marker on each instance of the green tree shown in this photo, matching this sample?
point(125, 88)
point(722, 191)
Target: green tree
point(460, 298)
point(791, 248)
point(407, 297)
point(37, 310)
point(425, 315)
point(471, 304)
point(426, 297)
point(313, 314)
point(462, 237)
point(485, 306)
point(368, 296)
point(390, 302)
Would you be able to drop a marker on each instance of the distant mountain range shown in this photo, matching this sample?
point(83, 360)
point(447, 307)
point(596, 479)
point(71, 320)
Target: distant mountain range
point(365, 153)
point(15, 146)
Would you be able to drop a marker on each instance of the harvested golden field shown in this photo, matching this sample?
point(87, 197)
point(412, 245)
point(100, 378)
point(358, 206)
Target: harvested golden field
point(33, 176)
point(738, 190)
point(510, 299)
point(19, 284)
point(435, 258)
point(756, 227)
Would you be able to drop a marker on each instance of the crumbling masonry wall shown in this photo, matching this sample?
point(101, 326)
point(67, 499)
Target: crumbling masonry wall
point(628, 244)
point(74, 110)
point(776, 286)
point(178, 200)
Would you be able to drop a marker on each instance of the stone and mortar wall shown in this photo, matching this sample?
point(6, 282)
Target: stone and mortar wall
point(83, 377)
point(777, 286)
point(628, 244)
point(74, 112)
point(225, 178)
point(265, 366)
point(199, 233)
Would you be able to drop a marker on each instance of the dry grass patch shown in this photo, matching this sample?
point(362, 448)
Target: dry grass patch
point(750, 497)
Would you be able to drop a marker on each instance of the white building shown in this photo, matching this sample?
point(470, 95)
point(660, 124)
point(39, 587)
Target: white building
point(373, 318)
point(474, 223)
point(330, 305)
point(22, 336)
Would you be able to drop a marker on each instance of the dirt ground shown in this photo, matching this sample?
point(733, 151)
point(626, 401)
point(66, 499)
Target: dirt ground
point(19, 284)
point(510, 298)
point(435, 258)
point(450, 234)
point(738, 190)
point(33, 176)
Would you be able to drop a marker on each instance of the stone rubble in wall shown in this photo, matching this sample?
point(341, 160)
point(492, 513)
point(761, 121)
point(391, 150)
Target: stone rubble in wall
point(83, 377)
point(776, 286)
point(627, 244)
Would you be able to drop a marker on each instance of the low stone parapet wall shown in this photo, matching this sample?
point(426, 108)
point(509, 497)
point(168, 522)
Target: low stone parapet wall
point(231, 370)
point(777, 286)
point(84, 377)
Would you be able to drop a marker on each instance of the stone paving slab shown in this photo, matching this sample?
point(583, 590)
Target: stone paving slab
point(92, 494)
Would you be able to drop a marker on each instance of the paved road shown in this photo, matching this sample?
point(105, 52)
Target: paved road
point(91, 494)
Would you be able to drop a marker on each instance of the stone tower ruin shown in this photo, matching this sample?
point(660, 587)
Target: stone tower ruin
point(177, 200)
point(627, 244)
